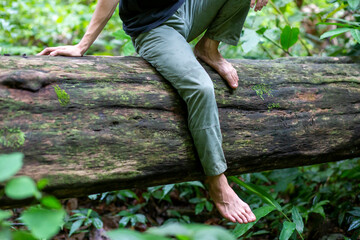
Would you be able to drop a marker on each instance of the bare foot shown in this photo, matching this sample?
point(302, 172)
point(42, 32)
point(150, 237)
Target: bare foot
point(207, 50)
point(227, 201)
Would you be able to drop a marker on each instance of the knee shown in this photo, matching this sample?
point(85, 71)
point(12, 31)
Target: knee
point(205, 89)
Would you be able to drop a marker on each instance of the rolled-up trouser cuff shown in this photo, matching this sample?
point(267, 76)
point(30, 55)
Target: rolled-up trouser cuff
point(227, 40)
point(208, 145)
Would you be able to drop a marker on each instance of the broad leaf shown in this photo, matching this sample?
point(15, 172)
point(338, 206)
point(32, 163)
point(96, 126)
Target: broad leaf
point(258, 191)
point(297, 219)
point(335, 32)
point(75, 226)
point(10, 164)
point(43, 223)
point(354, 4)
point(354, 224)
point(97, 223)
point(126, 234)
point(249, 40)
point(5, 215)
point(20, 188)
point(199, 207)
point(240, 229)
point(287, 230)
point(356, 34)
point(170, 229)
point(22, 235)
point(51, 202)
point(289, 37)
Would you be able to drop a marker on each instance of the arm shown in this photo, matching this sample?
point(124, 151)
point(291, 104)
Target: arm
point(103, 12)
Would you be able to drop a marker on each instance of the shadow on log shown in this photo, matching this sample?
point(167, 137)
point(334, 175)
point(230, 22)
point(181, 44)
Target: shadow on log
point(125, 126)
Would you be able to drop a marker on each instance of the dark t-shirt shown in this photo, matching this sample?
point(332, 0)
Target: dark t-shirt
point(140, 16)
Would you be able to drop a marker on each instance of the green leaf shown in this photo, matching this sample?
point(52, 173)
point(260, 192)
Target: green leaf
point(75, 226)
point(97, 223)
point(356, 34)
point(10, 164)
point(335, 24)
point(355, 212)
point(5, 234)
point(20, 188)
point(204, 232)
point(22, 235)
point(140, 218)
point(289, 37)
point(41, 184)
point(166, 190)
point(195, 184)
point(5, 215)
point(297, 219)
point(124, 221)
point(287, 230)
point(209, 206)
point(354, 4)
point(249, 40)
point(43, 223)
point(355, 224)
point(258, 191)
point(199, 208)
point(335, 32)
point(173, 229)
point(126, 234)
point(50, 202)
point(240, 229)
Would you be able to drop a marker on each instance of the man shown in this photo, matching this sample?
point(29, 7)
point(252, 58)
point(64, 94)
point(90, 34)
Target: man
point(160, 32)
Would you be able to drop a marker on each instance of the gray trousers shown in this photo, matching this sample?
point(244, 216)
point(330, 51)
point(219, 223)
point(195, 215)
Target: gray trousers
point(167, 49)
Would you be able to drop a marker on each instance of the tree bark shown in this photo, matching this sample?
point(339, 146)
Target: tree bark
point(125, 126)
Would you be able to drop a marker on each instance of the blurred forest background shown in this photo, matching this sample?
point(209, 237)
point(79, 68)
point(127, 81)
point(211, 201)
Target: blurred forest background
point(323, 201)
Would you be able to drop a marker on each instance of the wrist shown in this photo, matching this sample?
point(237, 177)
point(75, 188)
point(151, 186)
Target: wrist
point(83, 47)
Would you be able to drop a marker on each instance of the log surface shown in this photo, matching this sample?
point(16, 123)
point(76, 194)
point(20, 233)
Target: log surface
point(125, 126)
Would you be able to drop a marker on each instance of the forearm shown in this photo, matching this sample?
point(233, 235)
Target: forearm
point(103, 12)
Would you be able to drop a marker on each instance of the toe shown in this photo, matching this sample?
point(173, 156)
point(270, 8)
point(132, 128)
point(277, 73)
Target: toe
point(230, 218)
point(243, 217)
point(238, 218)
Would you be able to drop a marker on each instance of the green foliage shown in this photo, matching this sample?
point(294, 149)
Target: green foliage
point(273, 105)
point(21, 188)
point(289, 37)
point(262, 89)
point(261, 212)
point(287, 230)
point(62, 96)
point(175, 231)
point(12, 137)
point(82, 217)
point(43, 221)
point(10, 164)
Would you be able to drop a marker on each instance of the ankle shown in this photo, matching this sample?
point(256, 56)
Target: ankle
point(208, 44)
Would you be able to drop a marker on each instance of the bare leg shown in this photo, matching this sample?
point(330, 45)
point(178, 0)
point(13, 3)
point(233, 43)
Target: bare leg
point(227, 201)
point(207, 50)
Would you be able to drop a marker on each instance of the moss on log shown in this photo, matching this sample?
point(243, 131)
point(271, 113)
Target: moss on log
point(125, 126)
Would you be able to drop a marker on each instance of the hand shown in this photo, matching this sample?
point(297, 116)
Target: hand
point(259, 4)
point(71, 51)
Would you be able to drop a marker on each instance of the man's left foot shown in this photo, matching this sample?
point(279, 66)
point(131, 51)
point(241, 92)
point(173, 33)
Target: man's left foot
point(207, 50)
point(227, 201)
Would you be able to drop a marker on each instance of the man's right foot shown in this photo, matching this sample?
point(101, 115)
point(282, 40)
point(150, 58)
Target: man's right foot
point(227, 201)
point(207, 50)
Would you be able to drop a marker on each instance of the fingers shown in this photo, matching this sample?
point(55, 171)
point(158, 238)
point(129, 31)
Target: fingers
point(46, 51)
point(259, 4)
point(252, 3)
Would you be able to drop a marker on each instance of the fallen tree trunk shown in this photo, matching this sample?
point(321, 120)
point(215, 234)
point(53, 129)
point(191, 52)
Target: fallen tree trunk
point(125, 126)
